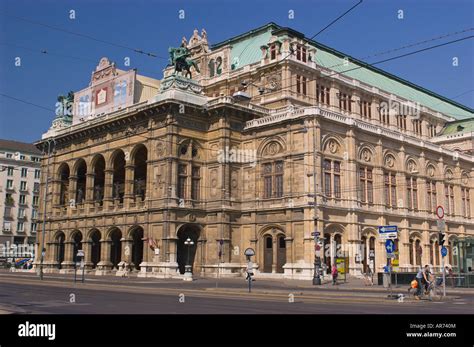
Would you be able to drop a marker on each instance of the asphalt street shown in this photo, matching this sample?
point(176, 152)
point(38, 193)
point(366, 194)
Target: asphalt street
point(27, 294)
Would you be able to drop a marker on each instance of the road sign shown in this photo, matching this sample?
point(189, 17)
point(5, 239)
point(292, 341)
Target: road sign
point(444, 251)
point(315, 233)
point(441, 223)
point(390, 246)
point(249, 252)
point(372, 253)
point(388, 232)
point(440, 212)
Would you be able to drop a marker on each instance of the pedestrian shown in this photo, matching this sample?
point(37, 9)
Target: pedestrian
point(334, 274)
point(419, 280)
point(451, 276)
point(368, 276)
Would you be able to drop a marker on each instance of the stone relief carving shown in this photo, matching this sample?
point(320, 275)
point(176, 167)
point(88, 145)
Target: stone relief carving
point(366, 155)
point(272, 149)
point(389, 160)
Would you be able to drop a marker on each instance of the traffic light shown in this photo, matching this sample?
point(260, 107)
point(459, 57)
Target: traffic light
point(441, 239)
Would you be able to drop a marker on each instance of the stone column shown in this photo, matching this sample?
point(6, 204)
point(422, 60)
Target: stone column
point(108, 188)
point(72, 189)
point(274, 254)
point(128, 193)
point(105, 263)
point(68, 262)
point(87, 248)
point(90, 189)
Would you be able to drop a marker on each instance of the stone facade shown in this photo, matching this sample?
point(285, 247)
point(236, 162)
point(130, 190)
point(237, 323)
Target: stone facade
point(229, 173)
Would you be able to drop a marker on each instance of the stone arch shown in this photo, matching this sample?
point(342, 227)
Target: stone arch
point(448, 173)
point(136, 236)
point(97, 167)
point(94, 236)
point(272, 146)
point(188, 255)
point(333, 144)
point(77, 239)
point(411, 165)
point(390, 160)
point(431, 170)
point(272, 248)
point(80, 172)
point(118, 162)
point(59, 240)
point(139, 159)
point(415, 248)
point(366, 153)
point(63, 174)
point(114, 236)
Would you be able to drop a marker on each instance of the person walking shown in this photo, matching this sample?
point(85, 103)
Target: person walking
point(334, 274)
point(368, 276)
point(419, 280)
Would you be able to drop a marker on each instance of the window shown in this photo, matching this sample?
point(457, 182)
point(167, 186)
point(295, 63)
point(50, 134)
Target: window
point(24, 172)
point(22, 157)
point(431, 202)
point(273, 179)
point(35, 200)
point(37, 174)
point(211, 68)
point(9, 155)
point(431, 130)
point(182, 181)
point(273, 51)
point(301, 53)
point(465, 203)
point(384, 115)
point(7, 226)
point(36, 159)
point(345, 102)
point(36, 187)
point(322, 94)
point(34, 227)
point(34, 214)
point(281, 242)
point(402, 122)
point(195, 183)
point(417, 126)
point(10, 171)
point(412, 193)
point(365, 109)
point(366, 187)
point(449, 199)
point(390, 190)
point(20, 226)
point(21, 213)
point(301, 84)
point(22, 199)
point(9, 199)
point(332, 178)
point(9, 184)
point(23, 185)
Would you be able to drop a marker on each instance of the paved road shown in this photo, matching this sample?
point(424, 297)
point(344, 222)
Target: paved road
point(28, 295)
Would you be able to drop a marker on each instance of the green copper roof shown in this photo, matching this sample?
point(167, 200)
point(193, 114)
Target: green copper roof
point(460, 126)
point(246, 50)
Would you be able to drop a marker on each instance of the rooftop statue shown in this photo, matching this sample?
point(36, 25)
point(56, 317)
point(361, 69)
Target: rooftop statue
point(179, 58)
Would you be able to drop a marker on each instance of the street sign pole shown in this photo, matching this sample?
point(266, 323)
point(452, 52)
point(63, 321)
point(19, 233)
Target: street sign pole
point(441, 226)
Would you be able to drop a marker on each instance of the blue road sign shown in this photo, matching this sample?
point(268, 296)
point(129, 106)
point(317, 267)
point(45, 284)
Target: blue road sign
point(390, 246)
point(444, 251)
point(388, 229)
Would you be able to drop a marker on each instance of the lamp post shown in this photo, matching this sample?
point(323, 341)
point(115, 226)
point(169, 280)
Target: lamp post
point(188, 275)
point(50, 145)
point(317, 260)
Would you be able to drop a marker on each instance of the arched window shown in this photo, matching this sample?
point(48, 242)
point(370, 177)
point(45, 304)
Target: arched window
point(218, 65)
point(211, 68)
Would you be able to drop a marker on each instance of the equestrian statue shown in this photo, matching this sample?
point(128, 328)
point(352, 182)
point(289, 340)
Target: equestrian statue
point(179, 58)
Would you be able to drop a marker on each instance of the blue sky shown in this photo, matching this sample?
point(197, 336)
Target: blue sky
point(153, 26)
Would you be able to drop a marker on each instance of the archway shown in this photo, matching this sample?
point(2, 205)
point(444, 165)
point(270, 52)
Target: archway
point(139, 178)
point(115, 247)
point(119, 176)
point(95, 248)
point(76, 245)
point(81, 174)
point(99, 179)
point(372, 253)
point(137, 247)
point(273, 250)
point(63, 184)
point(186, 254)
point(60, 237)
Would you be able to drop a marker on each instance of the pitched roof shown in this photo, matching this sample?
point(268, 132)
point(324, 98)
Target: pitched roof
point(16, 146)
point(459, 126)
point(246, 50)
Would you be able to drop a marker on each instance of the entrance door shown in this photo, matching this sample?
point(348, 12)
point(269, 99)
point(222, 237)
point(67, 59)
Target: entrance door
point(186, 253)
point(281, 254)
point(268, 254)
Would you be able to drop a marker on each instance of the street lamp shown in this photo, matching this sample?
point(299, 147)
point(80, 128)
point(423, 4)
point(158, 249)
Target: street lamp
point(48, 149)
point(188, 275)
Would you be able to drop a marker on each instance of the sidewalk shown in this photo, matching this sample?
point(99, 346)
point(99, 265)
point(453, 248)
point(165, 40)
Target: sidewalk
point(208, 283)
